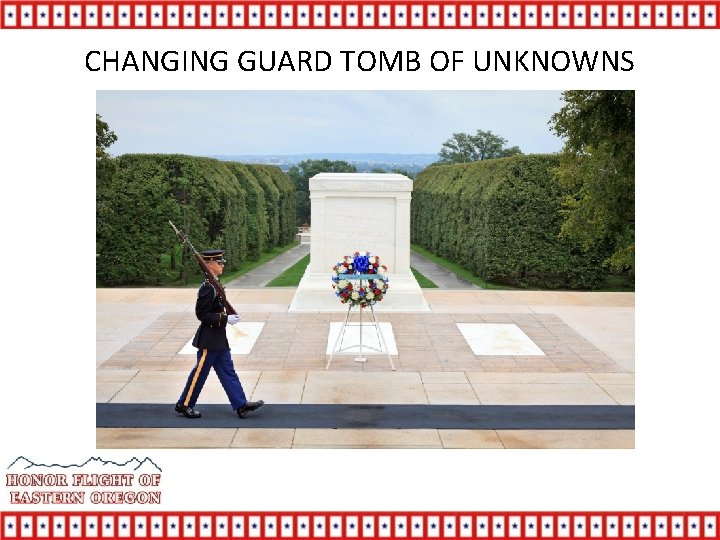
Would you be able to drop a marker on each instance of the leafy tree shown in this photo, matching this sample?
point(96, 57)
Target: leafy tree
point(105, 165)
point(513, 151)
point(300, 175)
point(465, 148)
point(104, 137)
point(460, 148)
point(598, 165)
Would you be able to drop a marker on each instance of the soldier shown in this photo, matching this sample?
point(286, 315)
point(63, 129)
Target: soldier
point(213, 348)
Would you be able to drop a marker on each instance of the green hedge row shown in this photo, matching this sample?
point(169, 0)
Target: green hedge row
point(500, 218)
point(244, 209)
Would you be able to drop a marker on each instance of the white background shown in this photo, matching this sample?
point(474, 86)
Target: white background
point(47, 237)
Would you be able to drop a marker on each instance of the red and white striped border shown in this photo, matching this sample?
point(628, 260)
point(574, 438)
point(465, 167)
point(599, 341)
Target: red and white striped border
point(361, 525)
point(347, 14)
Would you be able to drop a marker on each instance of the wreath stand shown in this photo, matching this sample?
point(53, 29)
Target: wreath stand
point(338, 349)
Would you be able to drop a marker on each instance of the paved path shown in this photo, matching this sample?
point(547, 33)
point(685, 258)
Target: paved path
point(262, 275)
point(442, 277)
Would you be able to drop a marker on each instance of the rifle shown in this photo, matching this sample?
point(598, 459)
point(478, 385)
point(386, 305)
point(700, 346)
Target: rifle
point(212, 279)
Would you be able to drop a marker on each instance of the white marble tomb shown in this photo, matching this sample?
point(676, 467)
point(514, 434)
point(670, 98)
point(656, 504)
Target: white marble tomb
point(352, 212)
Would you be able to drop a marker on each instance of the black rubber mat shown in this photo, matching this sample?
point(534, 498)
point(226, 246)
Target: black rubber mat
point(152, 415)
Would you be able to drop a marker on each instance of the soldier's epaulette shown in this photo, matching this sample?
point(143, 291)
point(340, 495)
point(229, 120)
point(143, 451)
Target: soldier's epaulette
point(207, 282)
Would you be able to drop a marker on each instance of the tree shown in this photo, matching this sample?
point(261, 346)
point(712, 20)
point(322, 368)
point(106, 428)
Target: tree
point(104, 137)
point(464, 148)
point(598, 166)
point(105, 165)
point(460, 148)
point(300, 175)
point(513, 151)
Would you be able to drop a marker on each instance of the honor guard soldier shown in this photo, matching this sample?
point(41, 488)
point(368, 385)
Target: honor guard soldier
point(213, 348)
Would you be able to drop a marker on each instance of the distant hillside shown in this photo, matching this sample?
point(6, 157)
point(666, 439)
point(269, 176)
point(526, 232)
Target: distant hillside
point(412, 163)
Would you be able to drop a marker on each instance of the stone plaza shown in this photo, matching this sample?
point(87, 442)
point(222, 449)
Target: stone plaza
point(587, 340)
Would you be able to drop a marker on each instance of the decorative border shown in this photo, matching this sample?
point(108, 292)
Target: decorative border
point(344, 14)
point(366, 525)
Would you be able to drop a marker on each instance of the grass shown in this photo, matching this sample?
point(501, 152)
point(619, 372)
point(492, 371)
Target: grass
point(457, 269)
point(424, 282)
point(291, 277)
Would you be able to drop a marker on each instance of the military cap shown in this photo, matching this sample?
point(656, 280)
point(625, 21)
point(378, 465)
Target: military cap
point(213, 255)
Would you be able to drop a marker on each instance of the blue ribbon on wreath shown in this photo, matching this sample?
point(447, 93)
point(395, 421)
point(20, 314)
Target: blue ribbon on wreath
point(361, 263)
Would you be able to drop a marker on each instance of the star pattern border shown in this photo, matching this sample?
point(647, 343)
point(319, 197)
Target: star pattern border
point(361, 525)
point(346, 14)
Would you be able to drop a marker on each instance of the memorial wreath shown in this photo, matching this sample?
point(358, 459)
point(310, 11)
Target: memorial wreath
point(358, 279)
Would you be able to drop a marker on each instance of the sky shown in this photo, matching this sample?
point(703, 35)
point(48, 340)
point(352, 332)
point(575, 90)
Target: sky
point(207, 123)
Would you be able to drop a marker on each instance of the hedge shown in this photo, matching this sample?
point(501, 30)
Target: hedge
point(257, 223)
point(287, 229)
point(501, 219)
point(272, 198)
point(217, 204)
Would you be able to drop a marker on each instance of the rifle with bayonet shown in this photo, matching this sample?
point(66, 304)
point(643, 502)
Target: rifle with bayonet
point(212, 279)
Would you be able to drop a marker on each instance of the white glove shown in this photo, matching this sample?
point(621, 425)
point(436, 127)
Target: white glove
point(233, 319)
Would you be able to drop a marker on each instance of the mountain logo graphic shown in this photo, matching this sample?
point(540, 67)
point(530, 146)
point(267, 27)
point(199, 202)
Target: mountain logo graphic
point(134, 464)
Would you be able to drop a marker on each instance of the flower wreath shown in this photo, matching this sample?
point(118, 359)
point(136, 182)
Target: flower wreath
point(354, 291)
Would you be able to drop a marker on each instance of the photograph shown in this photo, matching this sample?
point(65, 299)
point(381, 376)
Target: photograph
point(394, 269)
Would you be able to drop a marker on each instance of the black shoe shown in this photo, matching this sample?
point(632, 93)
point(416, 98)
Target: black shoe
point(187, 412)
point(248, 407)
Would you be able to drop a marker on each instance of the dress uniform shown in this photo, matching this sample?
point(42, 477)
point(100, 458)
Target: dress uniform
point(213, 350)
